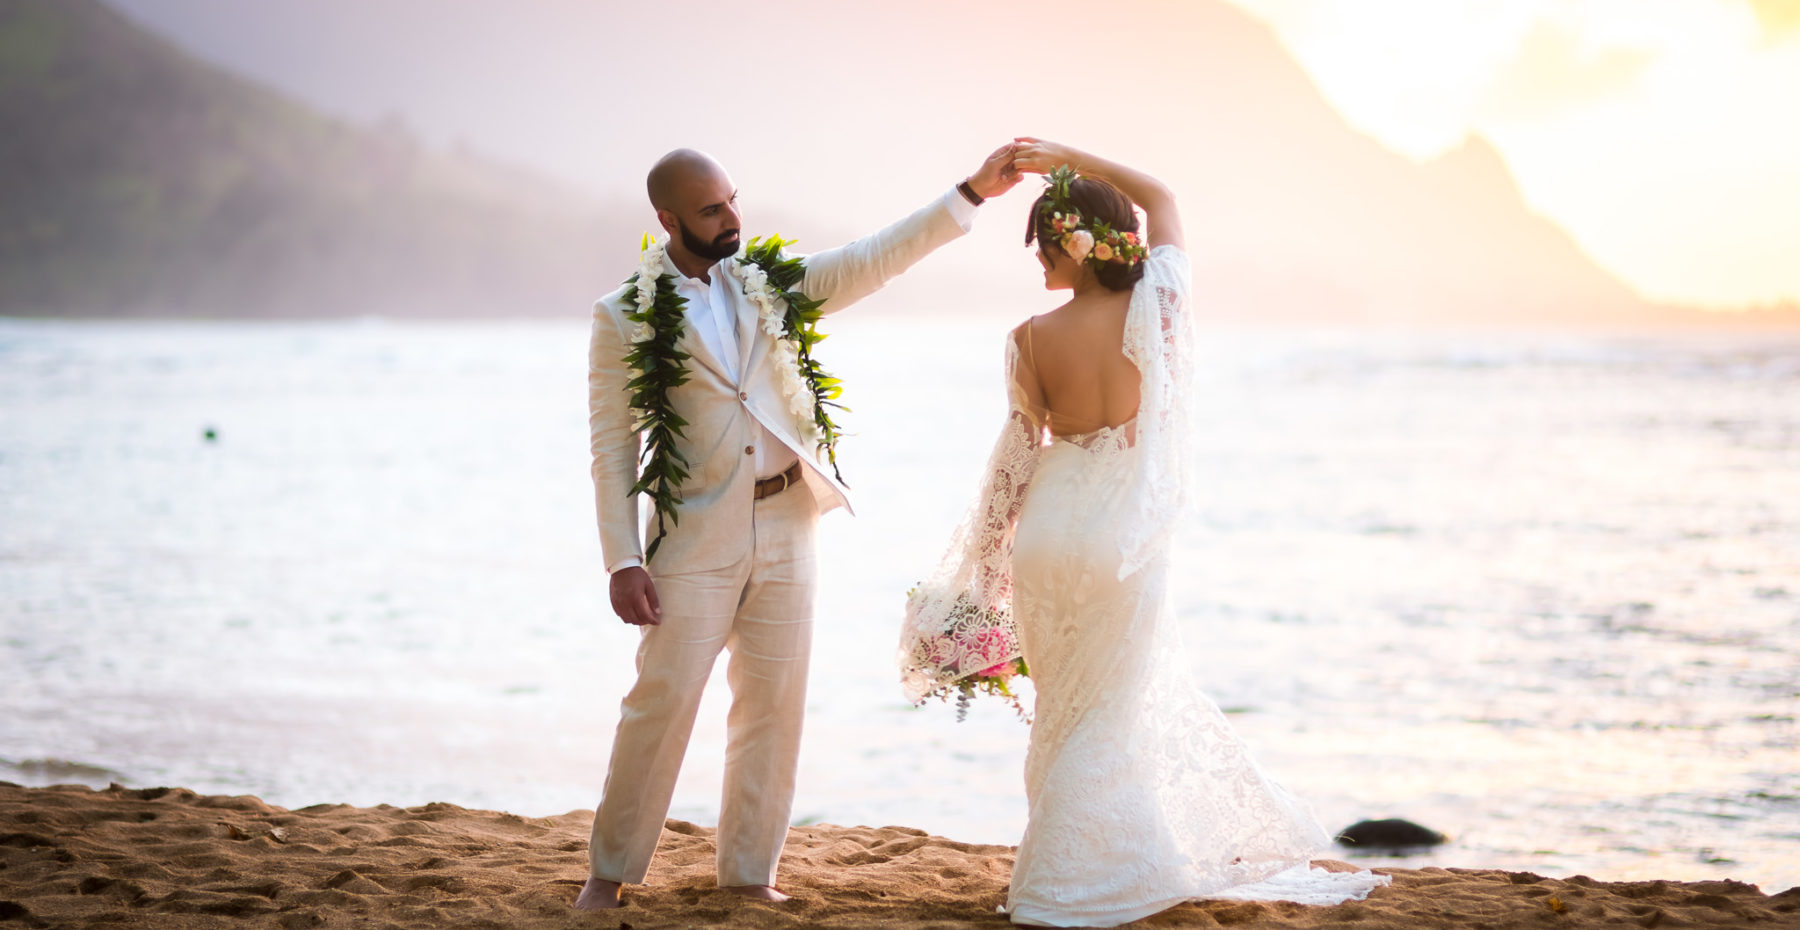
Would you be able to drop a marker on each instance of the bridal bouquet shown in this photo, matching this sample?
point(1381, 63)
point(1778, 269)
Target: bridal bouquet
point(977, 653)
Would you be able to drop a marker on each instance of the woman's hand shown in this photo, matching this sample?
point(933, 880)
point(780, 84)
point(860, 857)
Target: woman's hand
point(1040, 157)
point(997, 174)
point(1162, 220)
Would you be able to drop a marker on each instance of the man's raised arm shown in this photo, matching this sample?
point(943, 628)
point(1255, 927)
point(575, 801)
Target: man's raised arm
point(850, 272)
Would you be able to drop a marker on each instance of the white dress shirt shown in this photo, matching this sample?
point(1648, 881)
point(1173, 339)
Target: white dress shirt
point(712, 311)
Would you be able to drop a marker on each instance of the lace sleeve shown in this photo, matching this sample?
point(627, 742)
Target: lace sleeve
point(1159, 340)
point(959, 621)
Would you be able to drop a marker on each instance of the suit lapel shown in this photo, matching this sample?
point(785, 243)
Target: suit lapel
point(749, 329)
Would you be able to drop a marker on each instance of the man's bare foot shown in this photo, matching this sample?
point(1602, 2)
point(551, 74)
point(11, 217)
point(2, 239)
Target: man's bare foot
point(757, 893)
point(597, 895)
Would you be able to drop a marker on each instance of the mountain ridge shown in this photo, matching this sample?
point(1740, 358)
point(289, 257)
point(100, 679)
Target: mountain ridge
point(150, 183)
point(260, 205)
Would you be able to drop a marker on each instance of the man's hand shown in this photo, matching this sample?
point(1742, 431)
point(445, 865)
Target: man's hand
point(634, 597)
point(997, 175)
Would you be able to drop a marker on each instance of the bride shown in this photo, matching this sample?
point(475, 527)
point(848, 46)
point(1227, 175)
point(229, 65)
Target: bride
point(1140, 794)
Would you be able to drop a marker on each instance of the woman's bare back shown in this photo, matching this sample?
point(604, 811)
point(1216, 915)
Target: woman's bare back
point(1071, 367)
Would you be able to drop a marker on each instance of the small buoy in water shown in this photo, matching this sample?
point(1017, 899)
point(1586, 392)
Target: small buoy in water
point(1392, 835)
point(209, 434)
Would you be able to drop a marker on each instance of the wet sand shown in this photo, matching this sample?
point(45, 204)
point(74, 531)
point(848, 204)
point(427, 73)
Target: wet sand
point(71, 856)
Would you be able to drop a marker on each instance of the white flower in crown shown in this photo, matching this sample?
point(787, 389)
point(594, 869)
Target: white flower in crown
point(1078, 244)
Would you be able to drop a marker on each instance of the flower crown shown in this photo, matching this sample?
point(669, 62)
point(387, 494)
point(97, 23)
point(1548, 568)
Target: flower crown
point(1095, 242)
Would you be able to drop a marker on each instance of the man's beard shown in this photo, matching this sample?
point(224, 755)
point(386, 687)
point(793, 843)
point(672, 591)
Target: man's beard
point(725, 246)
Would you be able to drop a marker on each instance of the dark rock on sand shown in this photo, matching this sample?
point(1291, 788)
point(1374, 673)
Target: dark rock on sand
point(1394, 834)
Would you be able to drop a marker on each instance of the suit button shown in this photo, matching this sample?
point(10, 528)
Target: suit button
point(743, 395)
point(749, 450)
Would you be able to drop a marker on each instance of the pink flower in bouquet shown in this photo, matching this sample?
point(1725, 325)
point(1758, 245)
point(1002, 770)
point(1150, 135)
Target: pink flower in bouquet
point(994, 645)
point(1003, 670)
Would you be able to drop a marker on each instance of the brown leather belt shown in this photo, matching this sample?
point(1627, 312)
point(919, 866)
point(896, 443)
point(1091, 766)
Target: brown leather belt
point(766, 487)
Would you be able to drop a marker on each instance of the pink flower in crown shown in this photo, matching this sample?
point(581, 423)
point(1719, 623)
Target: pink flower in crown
point(1130, 238)
point(1104, 252)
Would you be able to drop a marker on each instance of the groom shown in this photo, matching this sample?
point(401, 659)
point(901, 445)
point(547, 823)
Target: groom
point(736, 569)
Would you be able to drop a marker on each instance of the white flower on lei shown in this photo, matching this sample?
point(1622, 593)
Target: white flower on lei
point(793, 386)
point(754, 278)
point(771, 313)
point(650, 268)
point(650, 260)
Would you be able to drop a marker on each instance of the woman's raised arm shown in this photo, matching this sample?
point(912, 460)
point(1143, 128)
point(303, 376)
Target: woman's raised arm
point(1162, 221)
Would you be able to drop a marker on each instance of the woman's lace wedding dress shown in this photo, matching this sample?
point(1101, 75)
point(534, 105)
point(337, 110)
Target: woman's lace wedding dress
point(1140, 794)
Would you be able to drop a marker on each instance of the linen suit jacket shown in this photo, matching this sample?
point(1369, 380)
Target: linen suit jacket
point(725, 418)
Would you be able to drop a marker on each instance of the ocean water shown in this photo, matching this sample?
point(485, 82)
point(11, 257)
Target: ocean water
point(1538, 591)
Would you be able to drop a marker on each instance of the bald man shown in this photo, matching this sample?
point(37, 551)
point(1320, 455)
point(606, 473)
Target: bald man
point(736, 570)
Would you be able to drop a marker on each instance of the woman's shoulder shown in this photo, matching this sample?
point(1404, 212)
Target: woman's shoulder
point(1167, 266)
point(1019, 339)
point(1021, 334)
point(1166, 253)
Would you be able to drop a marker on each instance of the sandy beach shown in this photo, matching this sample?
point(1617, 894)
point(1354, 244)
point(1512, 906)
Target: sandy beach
point(167, 857)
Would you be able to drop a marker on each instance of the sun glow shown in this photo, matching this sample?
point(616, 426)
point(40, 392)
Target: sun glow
point(1659, 133)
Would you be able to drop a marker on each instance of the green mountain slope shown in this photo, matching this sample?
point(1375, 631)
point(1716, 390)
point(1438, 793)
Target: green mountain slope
point(135, 180)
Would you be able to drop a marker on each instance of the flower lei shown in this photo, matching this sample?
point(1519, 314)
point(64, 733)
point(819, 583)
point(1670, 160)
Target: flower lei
point(658, 367)
point(1097, 242)
point(792, 318)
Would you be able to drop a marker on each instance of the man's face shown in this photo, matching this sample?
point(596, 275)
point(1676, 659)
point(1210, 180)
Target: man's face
point(707, 220)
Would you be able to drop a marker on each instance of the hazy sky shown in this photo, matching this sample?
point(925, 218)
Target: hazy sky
point(1664, 134)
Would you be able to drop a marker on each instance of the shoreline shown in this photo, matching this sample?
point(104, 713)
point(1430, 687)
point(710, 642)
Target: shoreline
point(168, 857)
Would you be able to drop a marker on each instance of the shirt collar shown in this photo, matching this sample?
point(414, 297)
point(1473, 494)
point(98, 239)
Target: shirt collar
point(713, 271)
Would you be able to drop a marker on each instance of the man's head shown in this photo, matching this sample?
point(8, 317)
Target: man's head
point(696, 203)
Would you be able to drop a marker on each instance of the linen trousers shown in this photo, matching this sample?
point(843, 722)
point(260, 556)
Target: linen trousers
point(760, 609)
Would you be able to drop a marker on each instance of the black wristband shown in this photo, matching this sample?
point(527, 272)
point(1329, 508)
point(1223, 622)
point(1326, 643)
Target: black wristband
point(963, 188)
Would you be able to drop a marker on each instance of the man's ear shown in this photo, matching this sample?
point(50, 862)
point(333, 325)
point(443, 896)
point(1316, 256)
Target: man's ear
point(667, 219)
